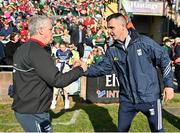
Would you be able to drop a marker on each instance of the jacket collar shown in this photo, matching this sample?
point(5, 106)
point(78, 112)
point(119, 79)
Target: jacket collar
point(37, 41)
point(133, 34)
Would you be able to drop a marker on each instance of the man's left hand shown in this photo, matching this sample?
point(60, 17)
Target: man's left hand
point(168, 93)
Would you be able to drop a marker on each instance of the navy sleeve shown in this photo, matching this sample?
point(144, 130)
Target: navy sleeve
point(102, 68)
point(161, 59)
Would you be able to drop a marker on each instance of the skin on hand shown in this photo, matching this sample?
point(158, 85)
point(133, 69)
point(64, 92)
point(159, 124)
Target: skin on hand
point(76, 63)
point(84, 65)
point(81, 64)
point(168, 94)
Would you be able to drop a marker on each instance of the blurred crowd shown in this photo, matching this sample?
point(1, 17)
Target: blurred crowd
point(70, 18)
point(172, 46)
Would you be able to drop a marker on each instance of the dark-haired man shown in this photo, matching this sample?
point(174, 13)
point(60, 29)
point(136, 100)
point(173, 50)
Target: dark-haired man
point(134, 58)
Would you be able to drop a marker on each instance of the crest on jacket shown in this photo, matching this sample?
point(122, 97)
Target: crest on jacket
point(139, 52)
point(115, 58)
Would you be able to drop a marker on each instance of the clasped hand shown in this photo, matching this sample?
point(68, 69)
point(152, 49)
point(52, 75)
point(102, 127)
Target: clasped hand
point(80, 63)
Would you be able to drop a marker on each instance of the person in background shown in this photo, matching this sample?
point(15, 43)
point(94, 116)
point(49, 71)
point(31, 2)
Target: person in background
point(78, 35)
point(24, 36)
point(100, 53)
point(99, 38)
point(66, 37)
point(89, 22)
point(176, 61)
point(63, 55)
point(75, 54)
point(93, 53)
point(35, 75)
point(6, 31)
point(54, 48)
point(11, 47)
point(57, 35)
point(168, 46)
point(87, 51)
point(2, 52)
point(129, 57)
point(88, 37)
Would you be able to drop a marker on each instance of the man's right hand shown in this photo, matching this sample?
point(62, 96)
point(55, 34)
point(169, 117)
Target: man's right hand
point(84, 66)
point(80, 63)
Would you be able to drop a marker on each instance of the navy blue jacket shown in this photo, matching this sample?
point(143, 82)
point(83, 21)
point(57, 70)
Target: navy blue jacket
point(136, 68)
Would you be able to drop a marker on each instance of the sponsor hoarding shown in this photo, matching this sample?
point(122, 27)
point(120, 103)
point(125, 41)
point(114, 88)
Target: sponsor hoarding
point(141, 7)
point(103, 89)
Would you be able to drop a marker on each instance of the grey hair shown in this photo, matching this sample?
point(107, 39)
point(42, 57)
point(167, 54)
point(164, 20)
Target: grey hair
point(36, 22)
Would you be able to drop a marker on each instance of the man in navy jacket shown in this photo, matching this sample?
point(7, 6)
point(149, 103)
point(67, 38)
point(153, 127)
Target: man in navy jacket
point(134, 58)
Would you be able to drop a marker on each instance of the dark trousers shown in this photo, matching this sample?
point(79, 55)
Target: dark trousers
point(34, 122)
point(80, 49)
point(153, 112)
point(177, 74)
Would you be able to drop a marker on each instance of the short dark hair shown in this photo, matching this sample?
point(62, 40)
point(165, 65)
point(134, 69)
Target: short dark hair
point(13, 34)
point(115, 15)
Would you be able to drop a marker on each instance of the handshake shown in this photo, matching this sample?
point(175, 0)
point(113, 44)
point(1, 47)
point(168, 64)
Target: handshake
point(80, 63)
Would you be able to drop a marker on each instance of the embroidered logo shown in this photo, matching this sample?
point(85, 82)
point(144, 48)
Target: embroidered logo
point(139, 52)
point(152, 112)
point(116, 59)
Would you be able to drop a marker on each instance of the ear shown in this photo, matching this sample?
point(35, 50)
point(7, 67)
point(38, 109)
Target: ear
point(41, 31)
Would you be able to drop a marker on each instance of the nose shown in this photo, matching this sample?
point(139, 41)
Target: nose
point(109, 31)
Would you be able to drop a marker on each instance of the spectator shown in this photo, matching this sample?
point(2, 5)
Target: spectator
point(99, 38)
point(34, 77)
point(87, 51)
point(129, 57)
point(92, 55)
point(168, 47)
point(88, 38)
point(66, 37)
point(75, 54)
point(2, 53)
point(24, 36)
point(6, 31)
point(78, 38)
point(54, 49)
point(99, 57)
point(89, 22)
point(11, 47)
point(63, 55)
point(177, 61)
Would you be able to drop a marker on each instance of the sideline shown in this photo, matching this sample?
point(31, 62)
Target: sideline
point(71, 122)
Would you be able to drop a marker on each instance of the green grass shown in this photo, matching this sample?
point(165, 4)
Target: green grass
point(92, 118)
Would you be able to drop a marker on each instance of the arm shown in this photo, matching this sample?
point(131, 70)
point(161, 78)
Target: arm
point(47, 71)
point(103, 68)
point(162, 60)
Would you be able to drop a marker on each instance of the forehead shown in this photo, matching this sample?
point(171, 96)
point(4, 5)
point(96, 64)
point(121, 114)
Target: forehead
point(62, 45)
point(112, 23)
point(49, 24)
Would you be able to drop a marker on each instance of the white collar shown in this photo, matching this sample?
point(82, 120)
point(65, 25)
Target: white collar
point(128, 38)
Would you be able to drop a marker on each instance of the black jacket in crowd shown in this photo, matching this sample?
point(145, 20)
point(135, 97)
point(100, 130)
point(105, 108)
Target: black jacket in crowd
point(9, 51)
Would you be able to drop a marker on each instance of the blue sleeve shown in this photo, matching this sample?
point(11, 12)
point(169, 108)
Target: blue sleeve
point(102, 68)
point(161, 59)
